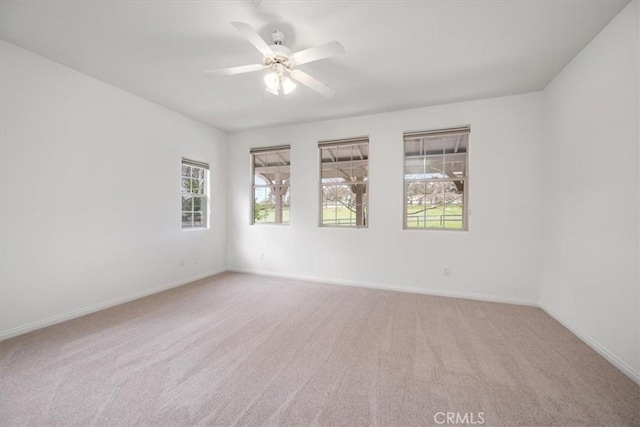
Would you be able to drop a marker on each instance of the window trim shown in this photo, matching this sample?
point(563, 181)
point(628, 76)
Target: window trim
point(206, 196)
point(259, 150)
point(455, 130)
point(324, 144)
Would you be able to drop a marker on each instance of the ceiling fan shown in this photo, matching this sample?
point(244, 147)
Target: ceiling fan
point(279, 59)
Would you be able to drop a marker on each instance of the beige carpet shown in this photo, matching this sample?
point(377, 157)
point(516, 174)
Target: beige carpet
point(248, 350)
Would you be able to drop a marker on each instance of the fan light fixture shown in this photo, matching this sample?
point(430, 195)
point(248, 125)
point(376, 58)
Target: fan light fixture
point(276, 82)
point(281, 63)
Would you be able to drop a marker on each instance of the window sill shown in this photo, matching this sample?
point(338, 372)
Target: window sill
point(344, 227)
point(434, 229)
point(195, 229)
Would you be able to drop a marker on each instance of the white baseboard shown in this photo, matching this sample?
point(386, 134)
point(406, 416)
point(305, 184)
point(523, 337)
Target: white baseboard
point(595, 345)
point(389, 287)
point(610, 357)
point(614, 360)
point(97, 307)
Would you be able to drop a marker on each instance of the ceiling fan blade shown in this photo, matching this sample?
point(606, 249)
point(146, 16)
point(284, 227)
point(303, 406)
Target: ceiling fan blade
point(250, 34)
point(312, 83)
point(235, 70)
point(318, 52)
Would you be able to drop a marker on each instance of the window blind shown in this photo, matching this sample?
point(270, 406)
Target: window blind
point(460, 130)
point(269, 149)
point(188, 162)
point(346, 141)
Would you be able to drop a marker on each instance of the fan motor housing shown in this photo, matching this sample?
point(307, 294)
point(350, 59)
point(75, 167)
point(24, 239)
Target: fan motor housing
point(280, 54)
point(277, 37)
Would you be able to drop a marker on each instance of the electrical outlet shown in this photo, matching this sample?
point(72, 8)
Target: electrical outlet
point(195, 260)
point(181, 262)
point(262, 255)
point(446, 271)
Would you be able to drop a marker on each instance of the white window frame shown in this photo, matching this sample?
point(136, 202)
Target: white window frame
point(193, 164)
point(459, 130)
point(279, 187)
point(337, 143)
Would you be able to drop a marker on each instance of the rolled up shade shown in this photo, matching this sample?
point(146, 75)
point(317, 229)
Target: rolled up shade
point(459, 130)
point(345, 141)
point(256, 150)
point(195, 163)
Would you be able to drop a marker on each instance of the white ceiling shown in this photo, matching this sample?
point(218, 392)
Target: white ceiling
point(400, 54)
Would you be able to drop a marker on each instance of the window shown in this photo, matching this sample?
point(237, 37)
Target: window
point(195, 192)
point(344, 166)
point(435, 179)
point(271, 172)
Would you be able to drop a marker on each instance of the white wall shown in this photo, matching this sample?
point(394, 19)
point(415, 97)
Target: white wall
point(590, 199)
point(90, 194)
point(562, 164)
point(498, 258)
